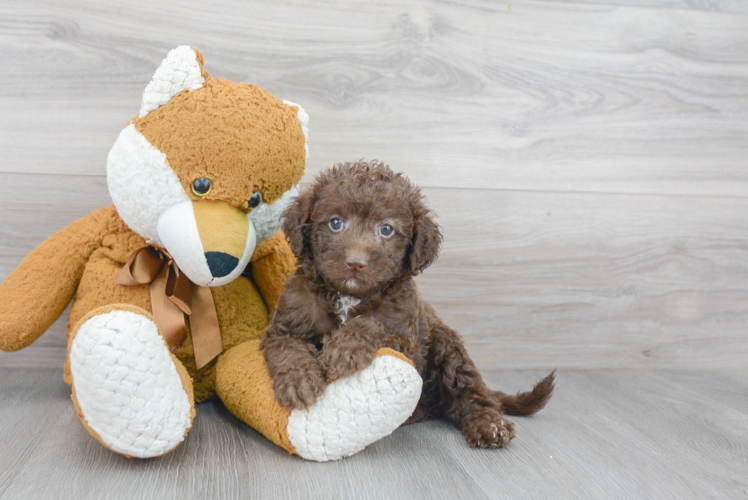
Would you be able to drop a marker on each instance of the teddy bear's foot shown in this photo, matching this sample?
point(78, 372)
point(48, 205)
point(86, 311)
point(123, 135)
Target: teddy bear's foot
point(358, 410)
point(351, 413)
point(130, 392)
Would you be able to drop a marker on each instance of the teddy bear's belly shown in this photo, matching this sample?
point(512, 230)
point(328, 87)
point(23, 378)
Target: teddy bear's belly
point(241, 310)
point(242, 315)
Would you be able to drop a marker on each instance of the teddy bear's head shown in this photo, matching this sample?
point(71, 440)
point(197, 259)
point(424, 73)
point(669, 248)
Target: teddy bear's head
point(207, 167)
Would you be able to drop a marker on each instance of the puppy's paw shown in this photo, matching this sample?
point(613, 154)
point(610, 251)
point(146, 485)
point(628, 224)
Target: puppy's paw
point(341, 359)
point(488, 430)
point(299, 389)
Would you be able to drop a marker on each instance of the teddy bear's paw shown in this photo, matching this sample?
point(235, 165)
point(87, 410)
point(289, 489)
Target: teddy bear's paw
point(356, 411)
point(128, 389)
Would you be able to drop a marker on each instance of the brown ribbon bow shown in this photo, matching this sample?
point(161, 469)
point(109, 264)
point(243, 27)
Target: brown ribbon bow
point(172, 296)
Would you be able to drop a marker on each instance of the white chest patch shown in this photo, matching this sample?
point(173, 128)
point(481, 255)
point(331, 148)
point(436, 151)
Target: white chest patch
point(344, 304)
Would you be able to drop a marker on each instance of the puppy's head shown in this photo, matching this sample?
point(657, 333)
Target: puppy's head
point(361, 226)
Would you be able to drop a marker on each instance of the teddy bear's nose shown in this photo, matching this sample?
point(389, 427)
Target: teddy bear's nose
point(221, 264)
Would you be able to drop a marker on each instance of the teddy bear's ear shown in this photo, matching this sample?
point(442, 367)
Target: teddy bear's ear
point(304, 120)
point(181, 70)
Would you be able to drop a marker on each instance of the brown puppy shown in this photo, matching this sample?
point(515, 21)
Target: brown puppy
point(360, 234)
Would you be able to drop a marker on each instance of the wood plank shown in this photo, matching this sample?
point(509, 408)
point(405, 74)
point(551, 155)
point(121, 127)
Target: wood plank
point(532, 95)
point(593, 280)
point(531, 279)
point(605, 434)
point(734, 6)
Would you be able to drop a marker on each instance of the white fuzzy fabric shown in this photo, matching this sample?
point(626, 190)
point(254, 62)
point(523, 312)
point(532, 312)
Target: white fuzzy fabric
point(356, 411)
point(177, 230)
point(179, 71)
point(127, 386)
point(304, 120)
point(267, 218)
point(141, 183)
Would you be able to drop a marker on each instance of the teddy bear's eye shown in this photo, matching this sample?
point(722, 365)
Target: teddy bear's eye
point(255, 200)
point(201, 186)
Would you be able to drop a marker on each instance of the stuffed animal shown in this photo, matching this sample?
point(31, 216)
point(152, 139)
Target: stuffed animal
point(173, 284)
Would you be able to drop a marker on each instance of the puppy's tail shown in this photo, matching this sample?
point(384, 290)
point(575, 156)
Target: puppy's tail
point(527, 403)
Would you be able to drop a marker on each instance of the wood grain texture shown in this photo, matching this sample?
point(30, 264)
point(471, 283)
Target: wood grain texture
point(587, 159)
point(733, 6)
point(538, 279)
point(542, 95)
point(605, 434)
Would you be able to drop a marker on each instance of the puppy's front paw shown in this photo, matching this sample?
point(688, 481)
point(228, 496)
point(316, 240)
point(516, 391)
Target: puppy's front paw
point(488, 429)
point(341, 359)
point(298, 389)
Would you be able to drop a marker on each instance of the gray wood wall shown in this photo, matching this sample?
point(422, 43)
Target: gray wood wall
point(588, 160)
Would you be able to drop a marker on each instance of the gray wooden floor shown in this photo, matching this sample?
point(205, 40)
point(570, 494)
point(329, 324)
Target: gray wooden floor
point(606, 434)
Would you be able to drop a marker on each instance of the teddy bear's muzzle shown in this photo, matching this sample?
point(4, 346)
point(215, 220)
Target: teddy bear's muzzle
point(210, 241)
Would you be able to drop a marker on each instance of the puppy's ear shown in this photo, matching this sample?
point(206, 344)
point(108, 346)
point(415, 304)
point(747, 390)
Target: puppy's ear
point(425, 243)
point(297, 223)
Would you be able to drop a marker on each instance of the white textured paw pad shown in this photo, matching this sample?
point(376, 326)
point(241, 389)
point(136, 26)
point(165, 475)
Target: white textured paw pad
point(356, 411)
point(127, 385)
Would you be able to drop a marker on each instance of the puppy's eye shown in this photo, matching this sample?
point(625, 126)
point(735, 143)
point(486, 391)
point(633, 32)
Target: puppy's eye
point(255, 200)
point(336, 224)
point(386, 230)
point(201, 186)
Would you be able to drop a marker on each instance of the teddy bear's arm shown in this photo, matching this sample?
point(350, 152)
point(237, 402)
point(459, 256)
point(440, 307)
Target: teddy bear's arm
point(34, 295)
point(272, 263)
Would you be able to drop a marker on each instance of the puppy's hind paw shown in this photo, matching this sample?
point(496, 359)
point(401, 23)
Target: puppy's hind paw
point(488, 431)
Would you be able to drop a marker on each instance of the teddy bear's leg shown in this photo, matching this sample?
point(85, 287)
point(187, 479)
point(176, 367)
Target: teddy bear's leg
point(352, 413)
point(129, 391)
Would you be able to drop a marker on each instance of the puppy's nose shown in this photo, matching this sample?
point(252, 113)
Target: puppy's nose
point(356, 263)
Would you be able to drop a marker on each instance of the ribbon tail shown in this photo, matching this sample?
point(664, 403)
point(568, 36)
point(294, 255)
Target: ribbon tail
point(173, 296)
point(169, 318)
point(206, 334)
point(178, 290)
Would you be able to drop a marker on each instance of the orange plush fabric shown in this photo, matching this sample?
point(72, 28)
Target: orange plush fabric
point(253, 156)
point(237, 135)
point(270, 260)
point(34, 295)
point(239, 365)
point(240, 305)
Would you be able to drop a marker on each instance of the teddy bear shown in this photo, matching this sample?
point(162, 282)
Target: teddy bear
point(172, 286)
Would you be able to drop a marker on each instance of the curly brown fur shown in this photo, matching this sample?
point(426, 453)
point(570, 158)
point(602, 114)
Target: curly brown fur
point(360, 234)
